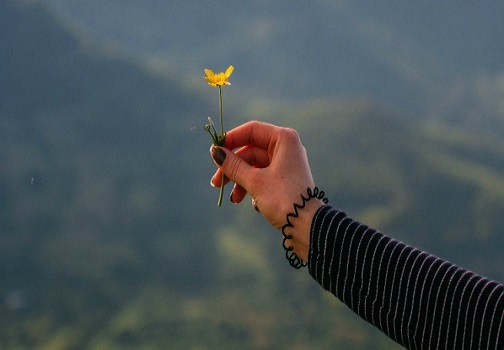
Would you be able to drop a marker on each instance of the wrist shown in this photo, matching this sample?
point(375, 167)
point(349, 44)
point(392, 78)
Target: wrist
point(296, 231)
point(301, 228)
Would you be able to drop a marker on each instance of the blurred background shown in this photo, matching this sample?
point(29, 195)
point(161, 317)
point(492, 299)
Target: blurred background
point(110, 237)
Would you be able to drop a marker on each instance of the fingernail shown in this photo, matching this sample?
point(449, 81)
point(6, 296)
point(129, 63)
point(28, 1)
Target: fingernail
point(218, 155)
point(231, 197)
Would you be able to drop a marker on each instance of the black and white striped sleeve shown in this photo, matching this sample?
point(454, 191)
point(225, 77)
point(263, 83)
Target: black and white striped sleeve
point(419, 300)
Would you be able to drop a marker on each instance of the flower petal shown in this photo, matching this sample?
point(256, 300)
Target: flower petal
point(229, 71)
point(209, 73)
point(210, 77)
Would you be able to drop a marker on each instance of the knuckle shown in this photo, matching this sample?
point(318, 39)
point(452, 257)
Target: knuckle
point(290, 135)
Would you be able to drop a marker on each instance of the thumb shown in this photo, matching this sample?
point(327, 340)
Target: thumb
point(234, 167)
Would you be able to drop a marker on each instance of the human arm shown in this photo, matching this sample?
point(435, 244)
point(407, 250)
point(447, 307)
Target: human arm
point(419, 300)
point(415, 298)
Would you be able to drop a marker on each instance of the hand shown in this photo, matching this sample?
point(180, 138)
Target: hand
point(270, 164)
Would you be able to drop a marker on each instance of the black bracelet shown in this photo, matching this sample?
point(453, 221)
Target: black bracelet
point(293, 259)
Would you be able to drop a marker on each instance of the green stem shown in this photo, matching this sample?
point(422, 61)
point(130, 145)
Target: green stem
point(220, 111)
point(221, 193)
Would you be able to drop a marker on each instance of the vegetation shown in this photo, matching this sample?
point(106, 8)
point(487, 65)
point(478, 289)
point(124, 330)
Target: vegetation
point(427, 58)
point(109, 233)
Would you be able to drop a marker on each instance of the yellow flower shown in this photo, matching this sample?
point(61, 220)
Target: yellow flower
point(219, 79)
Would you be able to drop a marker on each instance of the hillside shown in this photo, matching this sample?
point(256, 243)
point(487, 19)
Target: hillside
point(434, 58)
point(110, 236)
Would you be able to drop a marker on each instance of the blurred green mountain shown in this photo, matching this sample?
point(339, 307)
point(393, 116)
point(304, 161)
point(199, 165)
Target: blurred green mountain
point(109, 233)
point(436, 58)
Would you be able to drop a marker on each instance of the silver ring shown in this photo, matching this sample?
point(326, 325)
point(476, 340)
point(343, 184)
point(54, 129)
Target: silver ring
point(254, 204)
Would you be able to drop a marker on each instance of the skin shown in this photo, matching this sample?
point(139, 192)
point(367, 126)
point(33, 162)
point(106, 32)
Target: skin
point(270, 164)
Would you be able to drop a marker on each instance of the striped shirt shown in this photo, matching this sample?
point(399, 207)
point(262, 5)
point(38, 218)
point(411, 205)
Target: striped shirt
point(419, 300)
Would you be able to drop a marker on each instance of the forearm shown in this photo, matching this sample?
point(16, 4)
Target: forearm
point(417, 299)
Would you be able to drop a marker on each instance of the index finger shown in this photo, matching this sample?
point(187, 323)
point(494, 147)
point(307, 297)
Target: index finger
point(254, 133)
